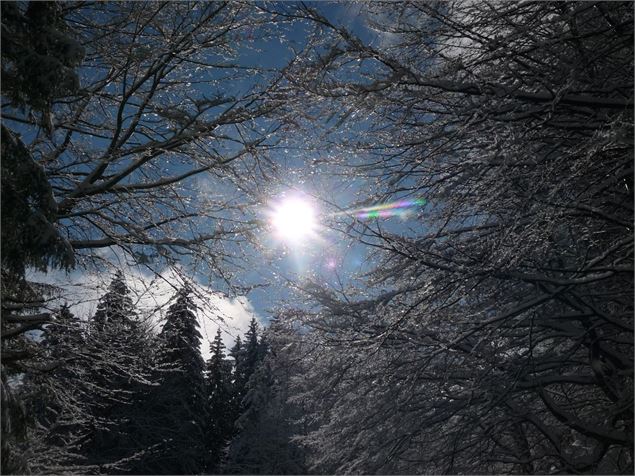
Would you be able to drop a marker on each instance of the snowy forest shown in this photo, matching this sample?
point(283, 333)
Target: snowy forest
point(317, 237)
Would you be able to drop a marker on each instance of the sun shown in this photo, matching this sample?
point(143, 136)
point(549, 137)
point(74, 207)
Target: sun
point(294, 220)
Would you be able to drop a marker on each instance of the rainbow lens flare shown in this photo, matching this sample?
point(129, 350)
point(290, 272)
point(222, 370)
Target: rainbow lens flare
point(386, 210)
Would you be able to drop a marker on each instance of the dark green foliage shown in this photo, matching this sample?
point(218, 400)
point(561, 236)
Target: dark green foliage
point(38, 55)
point(236, 353)
point(263, 444)
point(64, 332)
point(59, 399)
point(236, 350)
point(247, 355)
point(83, 397)
point(29, 212)
point(219, 402)
point(14, 430)
point(37, 62)
point(175, 412)
point(115, 309)
point(249, 450)
point(181, 338)
point(21, 312)
point(121, 369)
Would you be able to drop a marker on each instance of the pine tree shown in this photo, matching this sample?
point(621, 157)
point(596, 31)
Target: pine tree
point(177, 408)
point(262, 441)
point(236, 353)
point(236, 349)
point(263, 444)
point(58, 399)
point(63, 335)
point(116, 336)
point(121, 366)
point(247, 357)
point(252, 347)
point(219, 402)
point(245, 452)
point(115, 308)
point(85, 405)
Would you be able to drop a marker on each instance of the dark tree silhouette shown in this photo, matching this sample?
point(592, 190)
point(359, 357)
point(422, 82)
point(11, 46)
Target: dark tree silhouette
point(177, 407)
point(264, 442)
point(121, 369)
point(219, 378)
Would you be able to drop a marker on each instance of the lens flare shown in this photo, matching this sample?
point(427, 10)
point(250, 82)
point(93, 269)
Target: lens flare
point(387, 210)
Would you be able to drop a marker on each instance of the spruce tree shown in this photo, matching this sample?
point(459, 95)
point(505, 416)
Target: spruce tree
point(178, 405)
point(245, 451)
point(63, 335)
point(116, 336)
point(115, 308)
point(236, 350)
point(264, 441)
point(219, 402)
point(236, 353)
point(121, 365)
point(59, 400)
point(247, 357)
point(252, 347)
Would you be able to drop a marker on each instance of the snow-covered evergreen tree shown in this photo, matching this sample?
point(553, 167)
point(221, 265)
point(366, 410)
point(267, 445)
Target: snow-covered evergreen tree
point(115, 309)
point(59, 400)
point(236, 354)
point(176, 411)
point(121, 369)
point(219, 402)
point(265, 430)
point(247, 354)
point(39, 54)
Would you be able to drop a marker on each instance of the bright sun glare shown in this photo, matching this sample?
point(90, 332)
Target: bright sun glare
point(294, 220)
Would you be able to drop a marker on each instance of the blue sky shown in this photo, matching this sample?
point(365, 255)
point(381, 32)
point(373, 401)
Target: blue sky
point(331, 258)
point(284, 265)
